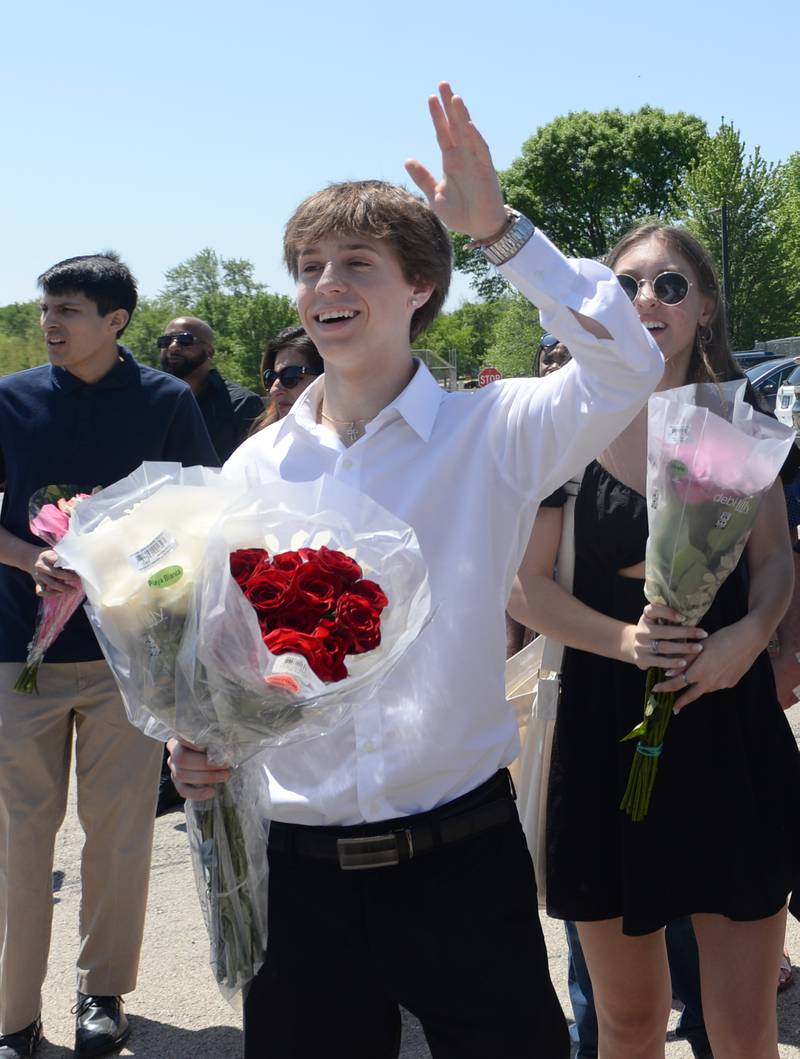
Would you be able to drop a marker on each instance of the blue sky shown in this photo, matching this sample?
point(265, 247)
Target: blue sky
point(160, 128)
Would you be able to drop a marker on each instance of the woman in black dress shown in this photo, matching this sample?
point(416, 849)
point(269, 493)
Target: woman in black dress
point(721, 841)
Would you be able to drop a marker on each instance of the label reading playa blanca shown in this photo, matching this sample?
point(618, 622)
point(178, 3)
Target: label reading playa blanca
point(166, 577)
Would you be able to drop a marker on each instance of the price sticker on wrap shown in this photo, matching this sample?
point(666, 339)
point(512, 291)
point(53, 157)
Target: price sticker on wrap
point(158, 549)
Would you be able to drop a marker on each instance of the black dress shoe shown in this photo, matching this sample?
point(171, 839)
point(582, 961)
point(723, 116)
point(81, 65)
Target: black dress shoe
point(100, 1026)
point(23, 1044)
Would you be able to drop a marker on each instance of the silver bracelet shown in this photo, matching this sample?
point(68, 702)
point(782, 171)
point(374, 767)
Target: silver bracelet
point(511, 241)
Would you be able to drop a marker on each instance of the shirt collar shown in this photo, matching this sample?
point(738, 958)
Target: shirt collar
point(120, 375)
point(418, 404)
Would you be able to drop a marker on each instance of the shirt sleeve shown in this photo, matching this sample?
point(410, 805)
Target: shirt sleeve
point(556, 499)
point(187, 439)
point(543, 431)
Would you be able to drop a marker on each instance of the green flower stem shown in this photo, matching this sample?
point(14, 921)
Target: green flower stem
point(232, 924)
point(28, 681)
point(651, 732)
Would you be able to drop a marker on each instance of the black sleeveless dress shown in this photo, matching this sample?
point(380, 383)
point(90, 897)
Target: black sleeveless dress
point(723, 831)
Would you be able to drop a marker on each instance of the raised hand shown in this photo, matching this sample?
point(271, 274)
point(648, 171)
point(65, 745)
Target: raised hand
point(468, 197)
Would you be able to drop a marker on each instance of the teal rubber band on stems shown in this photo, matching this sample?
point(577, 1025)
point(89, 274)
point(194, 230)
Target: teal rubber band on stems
point(649, 751)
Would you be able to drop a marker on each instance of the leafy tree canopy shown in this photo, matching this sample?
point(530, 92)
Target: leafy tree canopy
point(587, 177)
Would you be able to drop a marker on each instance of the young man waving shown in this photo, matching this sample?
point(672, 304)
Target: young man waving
point(445, 919)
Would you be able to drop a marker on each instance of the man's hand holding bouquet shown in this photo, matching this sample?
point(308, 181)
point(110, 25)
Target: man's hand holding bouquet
point(240, 618)
point(49, 512)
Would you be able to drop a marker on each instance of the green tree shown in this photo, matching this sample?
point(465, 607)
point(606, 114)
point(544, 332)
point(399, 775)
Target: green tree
point(787, 220)
point(586, 177)
point(149, 320)
point(21, 344)
point(468, 330)
point(515, 337)
point(243, 314)
point(752, 189)
point(206, 273)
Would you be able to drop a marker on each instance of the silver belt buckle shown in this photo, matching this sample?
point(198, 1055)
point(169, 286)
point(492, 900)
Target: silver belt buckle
point(371, 851)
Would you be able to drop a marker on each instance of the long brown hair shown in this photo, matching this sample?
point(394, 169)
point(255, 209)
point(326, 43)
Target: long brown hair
point(294, 338)
point(712, 360)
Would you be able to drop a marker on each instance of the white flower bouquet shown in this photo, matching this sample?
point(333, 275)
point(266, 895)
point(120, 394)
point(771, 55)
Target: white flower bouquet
point(243, 617)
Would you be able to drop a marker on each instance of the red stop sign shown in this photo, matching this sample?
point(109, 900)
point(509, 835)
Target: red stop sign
point(487, 375)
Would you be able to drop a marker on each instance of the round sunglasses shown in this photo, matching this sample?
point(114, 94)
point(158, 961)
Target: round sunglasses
point(670, 288)
point(288, 377)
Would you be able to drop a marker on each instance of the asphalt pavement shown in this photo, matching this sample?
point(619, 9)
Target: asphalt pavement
point(177, 1011)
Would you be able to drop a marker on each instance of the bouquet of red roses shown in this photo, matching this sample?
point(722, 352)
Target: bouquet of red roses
point(315, 603)
point(243, 617)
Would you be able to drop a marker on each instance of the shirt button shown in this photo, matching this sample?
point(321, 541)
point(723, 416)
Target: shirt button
point(370, 746)
point(347, 464)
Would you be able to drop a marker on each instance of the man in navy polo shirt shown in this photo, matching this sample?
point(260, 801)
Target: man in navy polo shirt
point(87, 419)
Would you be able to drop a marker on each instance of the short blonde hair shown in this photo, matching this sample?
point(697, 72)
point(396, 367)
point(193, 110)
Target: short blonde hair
point(385, 212)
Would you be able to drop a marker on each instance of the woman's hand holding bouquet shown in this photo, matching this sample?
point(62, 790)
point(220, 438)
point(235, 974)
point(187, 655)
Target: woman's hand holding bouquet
point(711, 462)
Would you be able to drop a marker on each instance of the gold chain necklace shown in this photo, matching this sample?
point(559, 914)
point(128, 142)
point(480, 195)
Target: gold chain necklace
point(353, 431)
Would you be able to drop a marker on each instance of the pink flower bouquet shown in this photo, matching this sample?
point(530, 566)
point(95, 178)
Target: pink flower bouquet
point(711, 458)
point(49, 511)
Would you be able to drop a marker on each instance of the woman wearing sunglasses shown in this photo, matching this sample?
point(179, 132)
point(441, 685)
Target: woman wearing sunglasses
point(289, 365)
point(721, 840)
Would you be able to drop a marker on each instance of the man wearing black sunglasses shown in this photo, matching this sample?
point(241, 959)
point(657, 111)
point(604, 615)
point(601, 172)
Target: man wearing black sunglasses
point(186, 349)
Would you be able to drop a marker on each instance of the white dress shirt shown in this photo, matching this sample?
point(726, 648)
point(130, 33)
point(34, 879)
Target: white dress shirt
point(467, 471)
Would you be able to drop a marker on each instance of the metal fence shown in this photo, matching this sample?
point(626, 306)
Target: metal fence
point(783, 347)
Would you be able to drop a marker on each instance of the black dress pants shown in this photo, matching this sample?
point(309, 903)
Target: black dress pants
point(453, 935)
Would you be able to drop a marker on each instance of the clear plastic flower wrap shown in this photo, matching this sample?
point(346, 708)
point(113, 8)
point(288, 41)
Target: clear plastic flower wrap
point(711, 458)
point(138, 546)
point(226, 674)
point(163, 555)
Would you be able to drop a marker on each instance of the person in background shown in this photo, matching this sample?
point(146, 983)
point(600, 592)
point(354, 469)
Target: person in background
point(186, 350)
point(539, 562)
point(88, 418)
point(720, 841)
point(550, 356)
point(289, 365)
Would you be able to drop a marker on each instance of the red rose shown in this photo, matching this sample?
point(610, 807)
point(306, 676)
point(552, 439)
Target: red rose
point(337, 643)
point(339, 564)
point(287, 561)
point(289, 641)
point(316, 587)
point(299, 616)
point(269, 590)
point(371, 592)
point(361, 620)
point(244, 561)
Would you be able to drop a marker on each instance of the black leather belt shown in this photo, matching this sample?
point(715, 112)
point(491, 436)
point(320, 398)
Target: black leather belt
point(390, 842)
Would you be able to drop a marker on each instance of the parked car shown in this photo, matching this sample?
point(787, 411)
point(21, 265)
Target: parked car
point(750, 357)
point(787, 406)
point(766, 379)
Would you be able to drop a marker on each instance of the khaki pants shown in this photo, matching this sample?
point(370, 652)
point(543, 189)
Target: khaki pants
point(118, 771)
